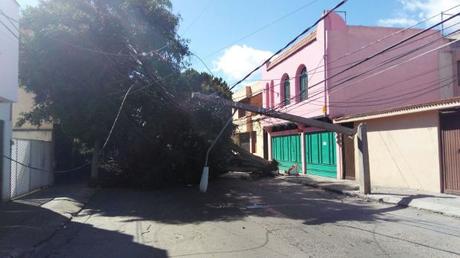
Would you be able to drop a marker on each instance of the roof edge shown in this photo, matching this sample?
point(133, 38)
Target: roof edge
point(299, 45)
point(411, 109)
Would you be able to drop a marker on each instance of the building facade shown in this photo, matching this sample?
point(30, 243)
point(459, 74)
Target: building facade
point(31, 145)
point(415, 147)
point(9, 55)
point(249, 133)
point(323, 76)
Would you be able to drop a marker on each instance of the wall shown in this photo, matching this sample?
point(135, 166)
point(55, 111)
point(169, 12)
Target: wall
point(415, 82)
point(312, 57)
point(37, 154)
point(9, 50)
point(403, 151)
point(5, 115)
point(252, 95)
point(25, 103)
point(259, 133)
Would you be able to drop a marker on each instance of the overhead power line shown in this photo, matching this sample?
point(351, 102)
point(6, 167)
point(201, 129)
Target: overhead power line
point(264, 27)
point(117, 117)
point(86, 163)
point(8, 17)
point(336, 86)
point(9, 29)
point(371, 44)
point(289, 43)
point(202, 62)
point(208, 4)
point(392, 47)
point(341, 85)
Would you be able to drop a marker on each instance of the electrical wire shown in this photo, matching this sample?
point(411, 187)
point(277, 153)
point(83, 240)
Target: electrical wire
point(12, 21)
point(361, 61)
point(310, 100)
point(202, 62)
point(8, 28)
point(8, 17)
point(389, 68)
point(289, 43)
point(208, 4)
point(87, 163)
point(117, 117)
point(375, 42)
point(263, 27)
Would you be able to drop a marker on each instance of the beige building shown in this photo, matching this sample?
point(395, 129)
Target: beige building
point(415, 147)
point(27, 131)
point(33, 148)
point(249, 132)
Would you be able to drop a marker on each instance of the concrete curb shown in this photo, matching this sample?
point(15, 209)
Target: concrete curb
point(430, 205)
point(68, 208)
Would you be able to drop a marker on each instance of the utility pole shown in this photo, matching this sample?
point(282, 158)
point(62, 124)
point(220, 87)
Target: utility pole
point(363, 155)
point(272, 113)
point(205, 173)
point(94, 163)
point(363, 158)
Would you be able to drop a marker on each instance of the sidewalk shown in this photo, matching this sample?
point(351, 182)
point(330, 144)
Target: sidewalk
point(27, 222)
point(439, 203)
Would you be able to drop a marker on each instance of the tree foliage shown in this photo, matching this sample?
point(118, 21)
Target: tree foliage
point(80, 57)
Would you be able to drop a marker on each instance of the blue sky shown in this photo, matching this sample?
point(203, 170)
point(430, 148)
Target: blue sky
point(215, 28)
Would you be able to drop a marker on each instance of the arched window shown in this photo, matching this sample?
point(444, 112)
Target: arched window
point(287, 91)
point(303, 79)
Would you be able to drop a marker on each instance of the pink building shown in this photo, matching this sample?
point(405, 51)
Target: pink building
point(315, 78)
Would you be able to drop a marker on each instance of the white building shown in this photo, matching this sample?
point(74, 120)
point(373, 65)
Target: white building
point(9, 63)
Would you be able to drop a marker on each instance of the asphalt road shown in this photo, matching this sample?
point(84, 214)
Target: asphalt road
point(242, 218)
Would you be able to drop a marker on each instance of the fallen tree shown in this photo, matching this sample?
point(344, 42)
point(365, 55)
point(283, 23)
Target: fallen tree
point(81, 57)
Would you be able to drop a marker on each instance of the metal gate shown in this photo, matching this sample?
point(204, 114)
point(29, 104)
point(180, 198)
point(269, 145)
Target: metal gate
point(30, 154)
point(320, 151)
point(2, 124)
point(287, 151)
point(450, 149)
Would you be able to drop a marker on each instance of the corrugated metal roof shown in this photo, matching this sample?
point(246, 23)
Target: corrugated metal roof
point(430, 106)
point(293, 49)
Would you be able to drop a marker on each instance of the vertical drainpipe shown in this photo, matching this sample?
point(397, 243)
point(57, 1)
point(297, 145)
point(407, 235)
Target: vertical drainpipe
point(326, 99)
point(325, 107)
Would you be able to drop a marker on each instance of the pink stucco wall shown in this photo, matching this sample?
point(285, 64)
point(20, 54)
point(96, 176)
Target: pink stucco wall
point(312, 57)
point(415, 82)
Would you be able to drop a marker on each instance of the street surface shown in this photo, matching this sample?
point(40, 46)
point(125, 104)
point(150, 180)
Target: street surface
point(244, 218)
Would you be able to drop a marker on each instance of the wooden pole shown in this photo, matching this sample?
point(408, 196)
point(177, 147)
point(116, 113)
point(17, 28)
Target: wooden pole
point(94, 163)
point(363, 153)
point(363, 160)
point(272, 113)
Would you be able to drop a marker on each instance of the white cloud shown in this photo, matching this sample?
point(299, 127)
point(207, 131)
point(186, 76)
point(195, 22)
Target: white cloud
point(417, 10)
point(429, 8)
point(394, 22)
point(238, 60)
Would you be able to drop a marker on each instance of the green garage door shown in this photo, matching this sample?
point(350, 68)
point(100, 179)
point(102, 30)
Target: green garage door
point(287, 151)
point(320, 154)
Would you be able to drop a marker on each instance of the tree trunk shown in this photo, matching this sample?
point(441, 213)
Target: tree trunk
point(94, 162)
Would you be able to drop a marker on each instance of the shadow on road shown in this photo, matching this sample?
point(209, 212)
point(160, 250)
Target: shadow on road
point(232, 199)
point(26, 228)
point(228, 199)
